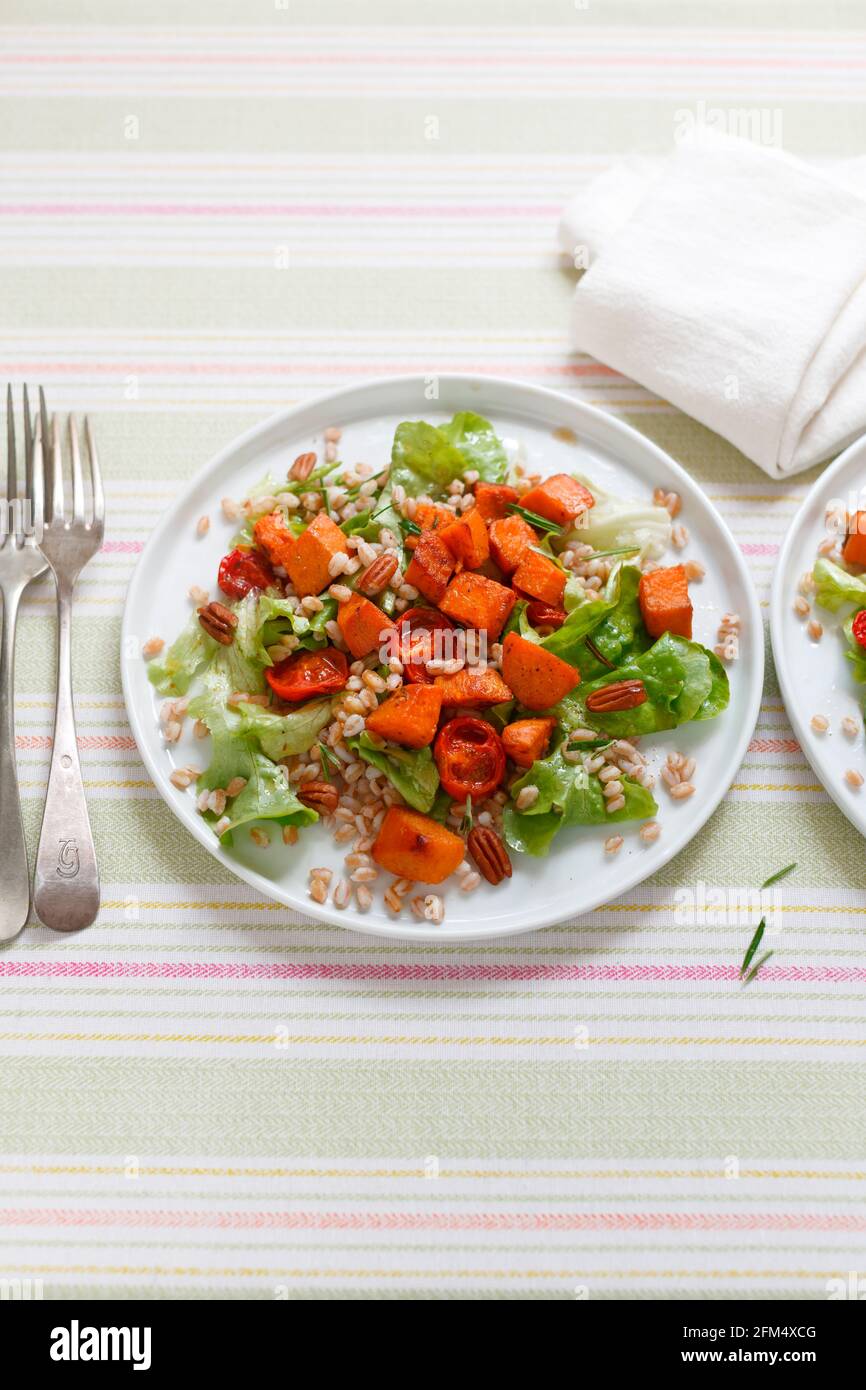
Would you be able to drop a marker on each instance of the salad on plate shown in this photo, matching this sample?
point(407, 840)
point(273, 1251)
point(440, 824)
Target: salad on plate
point(446, 659)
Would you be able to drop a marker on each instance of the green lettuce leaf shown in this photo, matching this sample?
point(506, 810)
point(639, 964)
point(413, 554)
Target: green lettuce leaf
point(275, 619)
point(586, 611)
point(835, 587)
point(267, 794)
point(567, 795)
point(426, 458)
point(683, 682)
point(174, 670)
point(283, 735)
point(412, 771)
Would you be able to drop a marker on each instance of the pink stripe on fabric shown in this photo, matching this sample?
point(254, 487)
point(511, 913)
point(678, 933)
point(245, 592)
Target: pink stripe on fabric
point(84, 741)
point(439, 1221)
point(220, 970)
point(121, 547)
point(585, 58)
point(306, 368)
point(774, 745)
point(758, 548)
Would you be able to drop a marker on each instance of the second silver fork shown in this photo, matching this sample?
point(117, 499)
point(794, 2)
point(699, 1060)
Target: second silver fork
point(66, 883)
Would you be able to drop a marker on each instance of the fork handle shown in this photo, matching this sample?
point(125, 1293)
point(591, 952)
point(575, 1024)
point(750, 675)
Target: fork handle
point(66, 883)
point(14, 873)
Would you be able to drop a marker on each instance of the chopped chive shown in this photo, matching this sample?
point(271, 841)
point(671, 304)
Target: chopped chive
point(782, 873)
point(541, 523)
point(755, 968)
point(409, 528)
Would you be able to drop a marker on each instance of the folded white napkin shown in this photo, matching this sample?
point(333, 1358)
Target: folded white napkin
point(730, 279)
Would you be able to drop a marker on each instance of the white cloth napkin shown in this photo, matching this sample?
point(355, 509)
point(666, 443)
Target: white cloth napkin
point(730, 280)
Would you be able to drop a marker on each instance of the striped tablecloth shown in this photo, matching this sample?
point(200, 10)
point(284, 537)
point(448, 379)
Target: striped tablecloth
point(211, 211)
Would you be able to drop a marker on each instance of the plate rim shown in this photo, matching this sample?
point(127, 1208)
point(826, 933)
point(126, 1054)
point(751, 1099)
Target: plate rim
point(608, 425)
point(778, 594)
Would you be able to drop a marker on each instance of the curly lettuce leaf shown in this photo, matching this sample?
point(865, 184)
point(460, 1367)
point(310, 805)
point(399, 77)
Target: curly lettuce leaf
point(276, 618)
point(615, 522)
point(174, 670)
point(234, 753)
point(284, 735)
point(411, 770)
point(612, 622)
point(567, 795)
point(426, 458)
point(834, 587)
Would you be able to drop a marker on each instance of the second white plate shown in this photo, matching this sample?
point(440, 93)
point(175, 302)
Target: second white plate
point(815, 677)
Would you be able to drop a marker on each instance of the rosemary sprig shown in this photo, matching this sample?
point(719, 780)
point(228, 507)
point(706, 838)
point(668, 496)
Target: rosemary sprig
point(753, 946)
point(623, 550)
point(467, 821)
point(774, 878)
point(540, 523)
point(330, 764)
point(409, 528)
point(757, 966)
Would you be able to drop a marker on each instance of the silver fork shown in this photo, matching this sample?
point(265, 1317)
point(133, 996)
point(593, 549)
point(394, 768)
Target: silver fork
point(66, 883)
point(20, 561)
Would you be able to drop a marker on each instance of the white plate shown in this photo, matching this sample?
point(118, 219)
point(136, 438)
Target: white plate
point(578, 875)
point(816, 677)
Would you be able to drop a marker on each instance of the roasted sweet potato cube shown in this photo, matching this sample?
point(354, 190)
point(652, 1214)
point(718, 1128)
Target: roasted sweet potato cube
point(414, 846)
point(539, 577)
point(432, 516)
point(492, 500)
point(431, 566)
point(476, 601)
point(472, 688)
point(466, 538)
point(559, 499)
point(313, 552)
point(854, 549)
point(275, 538)
point(510, 538)
point(664, 601)
point(526, 740)
point(409, 716)
point(362, 625)
point(537, 677)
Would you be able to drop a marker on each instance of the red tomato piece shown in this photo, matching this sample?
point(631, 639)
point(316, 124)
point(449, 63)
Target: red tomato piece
point(304, 674)
point(470, 758)
point(242, 570)
point(545, 614)
point(858, 629)
point(420, 624)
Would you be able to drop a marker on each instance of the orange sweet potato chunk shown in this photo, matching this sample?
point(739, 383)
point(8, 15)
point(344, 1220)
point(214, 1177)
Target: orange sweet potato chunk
point(362, 625)
point(539, 577)
point(510, 538)
point(537, 677)
point(431, 566)
point(467, 540)
point(854, 549)
point(472, 688)
point(414, 846)
point(559, 499)
point(409, 716)
point(526, 740)
point(313, 552)
point(432, 516)
point(664, 601)
point(476, 601)
point(275, 538)
point(492, 500)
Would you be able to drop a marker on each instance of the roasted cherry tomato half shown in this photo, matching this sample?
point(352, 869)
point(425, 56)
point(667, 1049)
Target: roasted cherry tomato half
point(420, 623)
point(242, 570)
point(304, 674)
point(470, 758)
point(858, 629)
point(544, 614)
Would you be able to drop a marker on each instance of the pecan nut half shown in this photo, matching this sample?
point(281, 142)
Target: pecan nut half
point(320, 796)
point(619, 695)
point(302, 468)
point(489, 853)
point(218, 622)
point(376, 576)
